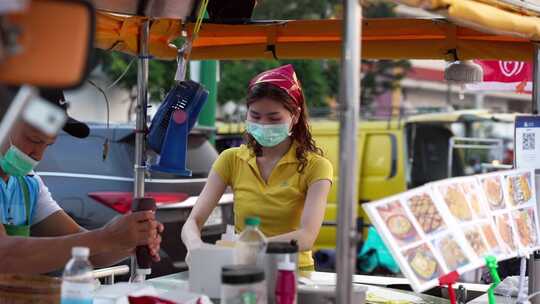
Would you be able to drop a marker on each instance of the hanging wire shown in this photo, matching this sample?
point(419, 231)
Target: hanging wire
point(186, 49)
point(106, 99)
point(105, 152)
point(114, 83)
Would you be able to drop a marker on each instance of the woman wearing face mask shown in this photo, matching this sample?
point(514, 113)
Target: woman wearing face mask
point(279, 176)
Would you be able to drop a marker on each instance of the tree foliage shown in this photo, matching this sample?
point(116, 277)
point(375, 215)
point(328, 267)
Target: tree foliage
point(160, 78)
point(235, 77)
point(319, 78)
point(379, 76)
point(297, 9)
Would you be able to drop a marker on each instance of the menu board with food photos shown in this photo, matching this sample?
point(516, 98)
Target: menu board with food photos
point(451, 225)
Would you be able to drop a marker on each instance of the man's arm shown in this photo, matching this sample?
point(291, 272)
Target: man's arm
point(52, 221)
point(61, 224)
point(46, 254)
point(43, 254)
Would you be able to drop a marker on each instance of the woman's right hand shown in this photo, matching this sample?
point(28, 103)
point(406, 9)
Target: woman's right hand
point(194, 245)
point(207, 201)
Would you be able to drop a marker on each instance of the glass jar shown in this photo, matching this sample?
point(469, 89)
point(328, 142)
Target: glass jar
point(243, 284)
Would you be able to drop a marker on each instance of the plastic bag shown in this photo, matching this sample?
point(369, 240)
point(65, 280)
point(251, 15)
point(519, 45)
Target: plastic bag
point(374, 254)
point(509, 287)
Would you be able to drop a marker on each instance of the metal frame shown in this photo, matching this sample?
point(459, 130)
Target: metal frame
point(142, 104)
point(534, 262)
point(349, 115)
point(108, 274)
point(471, 143)
point(536, 78)
point(141, 112)
point(349, 112)
point(490, 167)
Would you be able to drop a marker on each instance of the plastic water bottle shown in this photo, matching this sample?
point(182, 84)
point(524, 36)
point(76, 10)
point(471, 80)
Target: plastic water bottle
point(77, 281)
point(250, 243)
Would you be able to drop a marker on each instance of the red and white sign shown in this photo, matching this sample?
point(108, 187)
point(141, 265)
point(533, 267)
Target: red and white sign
point(509, 76)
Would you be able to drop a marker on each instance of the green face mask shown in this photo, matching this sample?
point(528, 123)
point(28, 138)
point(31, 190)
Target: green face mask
point(268, 135)
point(16, 162)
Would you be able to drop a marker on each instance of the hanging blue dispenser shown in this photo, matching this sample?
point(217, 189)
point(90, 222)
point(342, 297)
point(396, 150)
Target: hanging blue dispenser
point(170, 126)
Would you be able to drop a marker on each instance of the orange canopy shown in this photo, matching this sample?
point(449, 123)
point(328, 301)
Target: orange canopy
point(381, 39)
point(121, 33)
point(394, 38)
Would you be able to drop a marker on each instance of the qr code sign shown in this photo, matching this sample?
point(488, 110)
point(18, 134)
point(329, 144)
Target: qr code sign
point(528, 141)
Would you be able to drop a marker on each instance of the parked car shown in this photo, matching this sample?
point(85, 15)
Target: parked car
point(93, 184)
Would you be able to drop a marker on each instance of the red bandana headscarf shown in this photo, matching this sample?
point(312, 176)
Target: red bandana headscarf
point(283, 77)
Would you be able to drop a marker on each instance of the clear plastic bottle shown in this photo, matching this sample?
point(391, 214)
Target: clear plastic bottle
point(77, 280)
point(250, 243)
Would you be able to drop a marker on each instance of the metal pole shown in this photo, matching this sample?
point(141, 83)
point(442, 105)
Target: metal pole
point(140, 131)
point(479, 100)
point(448, 93)
point(451, 143)
point(536, 79)
point(349, 110)
point(534, 261)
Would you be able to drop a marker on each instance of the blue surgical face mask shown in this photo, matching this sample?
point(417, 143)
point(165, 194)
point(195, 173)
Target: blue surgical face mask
point(268, 135)
point(16, 163)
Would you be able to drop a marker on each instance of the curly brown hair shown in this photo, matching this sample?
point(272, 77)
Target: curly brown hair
point(301, 132)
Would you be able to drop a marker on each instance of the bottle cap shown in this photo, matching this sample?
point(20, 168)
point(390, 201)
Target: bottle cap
point(252, 221)
point(282, 247)
point(80, 252)
point(241, 274)
point(287, 265)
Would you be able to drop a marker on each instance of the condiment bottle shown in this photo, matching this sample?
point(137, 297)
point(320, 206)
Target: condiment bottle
point(286, 282)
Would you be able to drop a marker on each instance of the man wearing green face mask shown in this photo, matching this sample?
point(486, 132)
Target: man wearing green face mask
point(36, 235)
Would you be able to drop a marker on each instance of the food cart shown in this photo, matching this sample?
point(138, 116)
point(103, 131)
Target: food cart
point(473, 30)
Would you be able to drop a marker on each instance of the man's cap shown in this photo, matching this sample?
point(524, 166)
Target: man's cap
point(72, 126)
